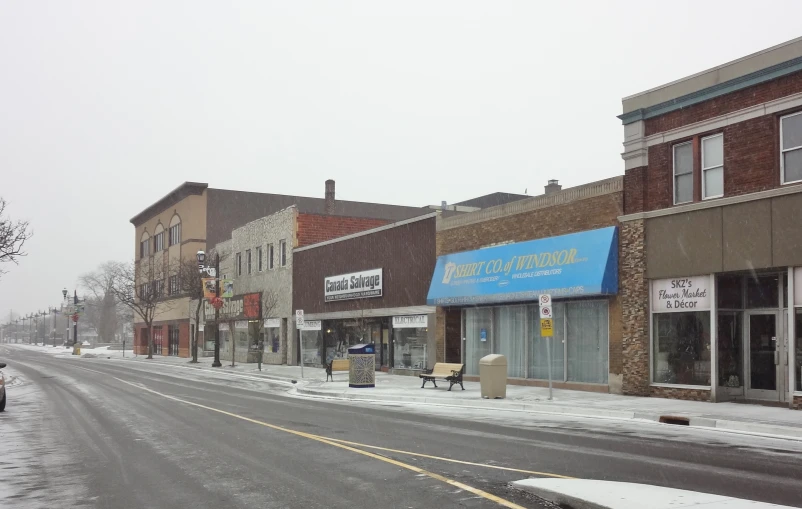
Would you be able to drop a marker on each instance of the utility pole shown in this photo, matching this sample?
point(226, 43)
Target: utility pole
point(217, 363)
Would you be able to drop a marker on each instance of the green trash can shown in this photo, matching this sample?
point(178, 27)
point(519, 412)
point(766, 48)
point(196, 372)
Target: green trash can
point(362, 365)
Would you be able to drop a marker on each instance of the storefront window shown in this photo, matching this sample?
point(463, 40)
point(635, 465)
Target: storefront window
point(730, 292)
point(587, 341)
point(271, 339)
point(763, 291)
point(509, 331)
point(477, 337)
point(410, 348)
point(310, 347)
point(730, 348)
point(681, 352)
point(538, 355)
point(798, 356)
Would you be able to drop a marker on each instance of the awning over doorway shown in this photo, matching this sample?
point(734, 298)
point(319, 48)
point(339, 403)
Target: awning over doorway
point(577, 264)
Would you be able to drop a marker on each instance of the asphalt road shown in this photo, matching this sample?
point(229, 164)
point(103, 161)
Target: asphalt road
point(114, 434)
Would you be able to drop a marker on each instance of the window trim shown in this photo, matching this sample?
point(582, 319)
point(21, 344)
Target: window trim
point(783, 151)
point(674, 172)
point(704, 169)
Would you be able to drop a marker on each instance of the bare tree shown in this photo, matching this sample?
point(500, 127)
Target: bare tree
point(101, 304)
point(190, 282)
point(268, 305)
point(13, 235)
point(140, 287)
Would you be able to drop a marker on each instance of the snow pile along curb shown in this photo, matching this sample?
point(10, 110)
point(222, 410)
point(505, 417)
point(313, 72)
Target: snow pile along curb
point(591, 494)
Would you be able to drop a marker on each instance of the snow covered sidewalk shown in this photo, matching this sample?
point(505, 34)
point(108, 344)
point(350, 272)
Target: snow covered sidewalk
point(730, 417)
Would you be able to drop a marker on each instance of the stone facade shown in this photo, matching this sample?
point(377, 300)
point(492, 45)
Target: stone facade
point(634, 293)
point(681, 393)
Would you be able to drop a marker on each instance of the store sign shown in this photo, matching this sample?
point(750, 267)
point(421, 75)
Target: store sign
point(273, 323)
point(681, 294)
point(357, 285)
point(578, 264)
point(312, 325)
point(411, 322)
point(238, 307)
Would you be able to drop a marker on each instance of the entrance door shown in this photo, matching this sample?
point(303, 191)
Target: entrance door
point(765, 351)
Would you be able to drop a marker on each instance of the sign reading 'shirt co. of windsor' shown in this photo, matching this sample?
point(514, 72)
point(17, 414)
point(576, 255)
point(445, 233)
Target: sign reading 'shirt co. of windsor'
point(357, 285)
point(681, 294)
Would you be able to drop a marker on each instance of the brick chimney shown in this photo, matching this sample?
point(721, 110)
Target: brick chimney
point(329, 208)
point(553, 187)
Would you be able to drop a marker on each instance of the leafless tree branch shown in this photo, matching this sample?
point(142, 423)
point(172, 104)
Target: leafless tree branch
point(13, 235)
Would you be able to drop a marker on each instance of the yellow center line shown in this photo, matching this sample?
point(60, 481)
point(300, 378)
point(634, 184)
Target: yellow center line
point(456, 484)
point(421, 455)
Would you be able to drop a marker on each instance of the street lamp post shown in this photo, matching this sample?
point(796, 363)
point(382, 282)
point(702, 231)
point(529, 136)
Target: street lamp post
point(201, 267)
point(66, 317)
point(75, 348)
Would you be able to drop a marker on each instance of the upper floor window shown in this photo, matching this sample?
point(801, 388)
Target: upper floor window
point(144, 290)
point(283, 252)
point(238, 262)
point(683, 173)
point(248, 259)
point(144, 248)
point(270, 257)
point(173, 285)
point(158, 242)
point(791, 148)
point(175, 234)
point(259, 257)
point(158, 288)
point(713, 166)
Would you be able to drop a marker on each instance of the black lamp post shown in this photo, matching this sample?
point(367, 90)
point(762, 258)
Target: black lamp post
point(66, 317)
point(202, 267)
point(75, 323)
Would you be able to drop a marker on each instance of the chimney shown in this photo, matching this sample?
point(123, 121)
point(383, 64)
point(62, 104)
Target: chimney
point(329, 207)
point(553, 187)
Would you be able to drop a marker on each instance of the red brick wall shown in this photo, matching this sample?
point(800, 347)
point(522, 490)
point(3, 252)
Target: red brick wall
point(774, 89)
point(681, 393)
point(314, 228)
point(184, 339)
point(751, 164)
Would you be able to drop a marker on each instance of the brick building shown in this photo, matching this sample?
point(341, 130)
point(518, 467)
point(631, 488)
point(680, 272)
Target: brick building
point(711, 233)
point(194, 216)
point(492, 266)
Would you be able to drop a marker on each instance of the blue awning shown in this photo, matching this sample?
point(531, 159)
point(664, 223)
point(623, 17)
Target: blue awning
point(578, 264)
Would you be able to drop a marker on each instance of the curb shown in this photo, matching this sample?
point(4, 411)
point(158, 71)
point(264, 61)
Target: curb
point(722, 425)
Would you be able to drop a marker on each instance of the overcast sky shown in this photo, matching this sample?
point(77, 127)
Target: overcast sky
point(106, 106)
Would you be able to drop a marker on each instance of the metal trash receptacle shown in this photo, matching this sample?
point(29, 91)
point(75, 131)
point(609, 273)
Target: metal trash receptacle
point(362, 365)
point(493, 376)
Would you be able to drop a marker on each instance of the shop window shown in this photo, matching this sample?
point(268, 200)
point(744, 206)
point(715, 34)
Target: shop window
point(730, 348)
point(172, 340)
point(158, 339)
point(791, 148)
point(713, 166)
point(587, 350)
point(409, 347)
point(730, 292)
point(681, 351)
point(538, 354)
point(798, 356)
point(477, 337)
point(509, 331)
point(762, 291)
point(272, 342)
point(683, 173)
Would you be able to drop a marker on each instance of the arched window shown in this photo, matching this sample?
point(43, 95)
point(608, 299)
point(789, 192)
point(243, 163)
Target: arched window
point(144, 245)
point(158, 238)
point(175, 230)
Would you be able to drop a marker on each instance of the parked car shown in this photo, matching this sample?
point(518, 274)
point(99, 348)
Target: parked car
point(2, 388)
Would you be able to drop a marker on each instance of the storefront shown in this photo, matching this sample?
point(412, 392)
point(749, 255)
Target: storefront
point(245, 335)
point(369, 287)
point(496, 291)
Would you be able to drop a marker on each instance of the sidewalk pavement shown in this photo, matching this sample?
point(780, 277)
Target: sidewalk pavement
point(732, 417)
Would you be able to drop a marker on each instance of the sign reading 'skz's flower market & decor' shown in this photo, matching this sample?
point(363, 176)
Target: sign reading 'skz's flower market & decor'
point(357, 285)
point(681, 294)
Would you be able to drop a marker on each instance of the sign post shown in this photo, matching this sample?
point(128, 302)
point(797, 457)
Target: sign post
point(547, 329)
point(299, 324)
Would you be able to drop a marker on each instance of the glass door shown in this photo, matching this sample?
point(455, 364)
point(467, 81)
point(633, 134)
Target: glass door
point(764, 347)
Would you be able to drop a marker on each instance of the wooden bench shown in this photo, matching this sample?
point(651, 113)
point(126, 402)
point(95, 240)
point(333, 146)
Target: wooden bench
point(450, 372)
point(336, 365)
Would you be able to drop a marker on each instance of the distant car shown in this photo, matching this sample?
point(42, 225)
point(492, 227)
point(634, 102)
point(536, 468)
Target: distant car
point(2, 388)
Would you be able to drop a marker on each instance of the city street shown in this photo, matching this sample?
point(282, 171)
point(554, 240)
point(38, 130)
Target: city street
point(98, 433)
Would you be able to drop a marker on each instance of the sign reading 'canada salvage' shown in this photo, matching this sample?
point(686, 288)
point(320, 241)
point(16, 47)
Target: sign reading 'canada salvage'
point(357, 285)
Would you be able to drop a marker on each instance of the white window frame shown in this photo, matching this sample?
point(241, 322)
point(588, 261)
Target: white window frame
point(704, 169)
point(674, 173)
point(282, 252)
point(784, 150)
